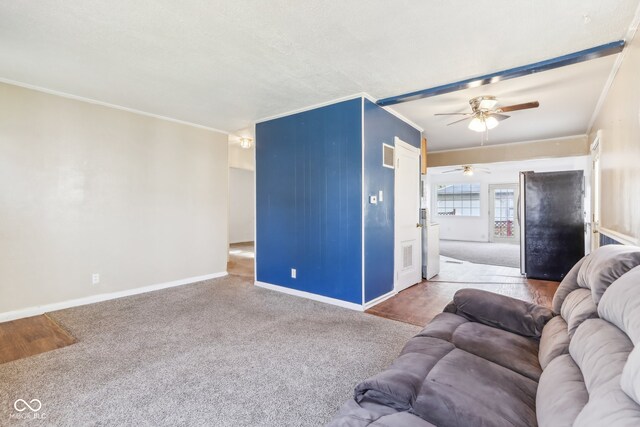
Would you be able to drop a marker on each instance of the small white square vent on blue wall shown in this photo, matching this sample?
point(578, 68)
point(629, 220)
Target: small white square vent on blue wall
point(387, 156)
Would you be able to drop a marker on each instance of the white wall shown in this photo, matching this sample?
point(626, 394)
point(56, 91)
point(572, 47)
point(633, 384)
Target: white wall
point(90, 189)
point(619, 123)
point(241, 205)
point(477, 228)
point(241, 158)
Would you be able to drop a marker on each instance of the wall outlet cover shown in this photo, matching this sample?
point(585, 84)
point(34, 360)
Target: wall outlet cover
point(95, 278)
point(293, 273)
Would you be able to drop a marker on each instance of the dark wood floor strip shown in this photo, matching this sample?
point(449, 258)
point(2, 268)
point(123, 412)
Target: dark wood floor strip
point(30, 336)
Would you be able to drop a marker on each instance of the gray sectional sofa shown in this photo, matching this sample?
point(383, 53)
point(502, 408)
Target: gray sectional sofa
point(490, 360)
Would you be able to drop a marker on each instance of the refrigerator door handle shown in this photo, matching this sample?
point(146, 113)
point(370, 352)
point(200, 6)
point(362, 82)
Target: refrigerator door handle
point(522, 225)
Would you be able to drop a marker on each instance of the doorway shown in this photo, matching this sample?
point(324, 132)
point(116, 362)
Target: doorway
point(503, 224)
point(408, 242)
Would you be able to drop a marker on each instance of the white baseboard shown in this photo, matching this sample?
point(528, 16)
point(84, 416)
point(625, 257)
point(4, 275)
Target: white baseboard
point(309, 295)
point(41, 309)
point(380, 299)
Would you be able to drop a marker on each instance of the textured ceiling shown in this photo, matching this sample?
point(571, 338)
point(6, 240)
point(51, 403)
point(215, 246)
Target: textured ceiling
point(567, 96)
point(225, 64)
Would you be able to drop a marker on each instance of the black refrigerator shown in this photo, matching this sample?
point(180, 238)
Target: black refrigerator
point(551, 216)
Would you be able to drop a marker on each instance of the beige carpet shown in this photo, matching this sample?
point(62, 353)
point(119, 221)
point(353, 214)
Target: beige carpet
point(221, 352)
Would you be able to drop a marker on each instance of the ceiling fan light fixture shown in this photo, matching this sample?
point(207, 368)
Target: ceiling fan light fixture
point(467, 171)
point(487, 103)
point(478, 124)
point(491, 122)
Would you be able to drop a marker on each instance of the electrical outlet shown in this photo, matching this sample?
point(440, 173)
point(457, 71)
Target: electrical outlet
point(293, 273)
point(95, 278)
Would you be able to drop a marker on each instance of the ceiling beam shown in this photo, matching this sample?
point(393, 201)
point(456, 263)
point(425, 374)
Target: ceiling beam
point(549, 64)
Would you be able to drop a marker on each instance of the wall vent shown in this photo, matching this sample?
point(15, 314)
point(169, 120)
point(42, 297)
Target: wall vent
point(407, 256)
point(387, 156)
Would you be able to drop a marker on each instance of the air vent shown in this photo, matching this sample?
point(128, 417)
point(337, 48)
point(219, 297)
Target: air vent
point(387, 156)
point(407, 256)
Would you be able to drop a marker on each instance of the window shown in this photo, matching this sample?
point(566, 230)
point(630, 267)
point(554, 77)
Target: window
point(458, 199)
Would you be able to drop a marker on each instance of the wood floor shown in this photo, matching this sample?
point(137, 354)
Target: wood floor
point(29, 336)
point(422, 302)
point(241, 259)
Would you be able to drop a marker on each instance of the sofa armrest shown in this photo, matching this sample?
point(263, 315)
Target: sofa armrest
point(500, 311)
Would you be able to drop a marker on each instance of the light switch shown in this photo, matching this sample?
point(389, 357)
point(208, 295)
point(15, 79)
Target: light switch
point(380, 198)
point(373, 200)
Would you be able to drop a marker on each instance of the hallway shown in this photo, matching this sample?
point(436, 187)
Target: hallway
point(241, 259)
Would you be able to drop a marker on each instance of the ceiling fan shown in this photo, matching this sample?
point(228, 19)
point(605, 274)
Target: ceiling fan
point(468, 170)
point(484, 115)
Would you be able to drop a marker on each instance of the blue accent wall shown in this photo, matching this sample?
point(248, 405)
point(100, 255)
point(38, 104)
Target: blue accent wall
point(380, 127)
point(309, 201)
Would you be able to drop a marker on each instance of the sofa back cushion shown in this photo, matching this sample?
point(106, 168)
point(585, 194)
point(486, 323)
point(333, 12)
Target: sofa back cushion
point(600, 305)
point(606, 265)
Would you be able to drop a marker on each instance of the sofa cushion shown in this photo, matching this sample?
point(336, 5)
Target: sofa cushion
point(515, 352)
point(620, 305)
point(561, 393)
point(600, 350)
point(554, 341)
point(630, 380)
point(443, 326)
point(500, 311)
point(577, 307)
point(371, 414)
point(604, 265)
point(568, 285)
point(466, 390)
point(398, 386)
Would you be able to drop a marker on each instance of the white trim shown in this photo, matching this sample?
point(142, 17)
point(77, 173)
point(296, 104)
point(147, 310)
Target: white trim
point(393, 165)
point(309, 295)
point(364, 200)
point(342, 99)
point(311, 107)
point(400, 143)
point(41, 309)
point(107, 104)
point(417, 151)
point(507, 144)
point(622, 238)
point(631, 32)
point(403, 118)
point(255, 204)
point(380, 299)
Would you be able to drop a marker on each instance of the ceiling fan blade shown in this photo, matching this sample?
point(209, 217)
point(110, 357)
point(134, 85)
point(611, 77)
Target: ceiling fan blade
point(499, 117)
point(525, 106)
point(452, 170)
point(453, 114)
point(458, 121)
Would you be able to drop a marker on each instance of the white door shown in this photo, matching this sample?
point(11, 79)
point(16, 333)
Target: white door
point(503, 224)
point(408, 242)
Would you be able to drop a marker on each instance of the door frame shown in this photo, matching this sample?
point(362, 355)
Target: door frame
point(516, 234)
point(592, 224)
point(398, 143)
